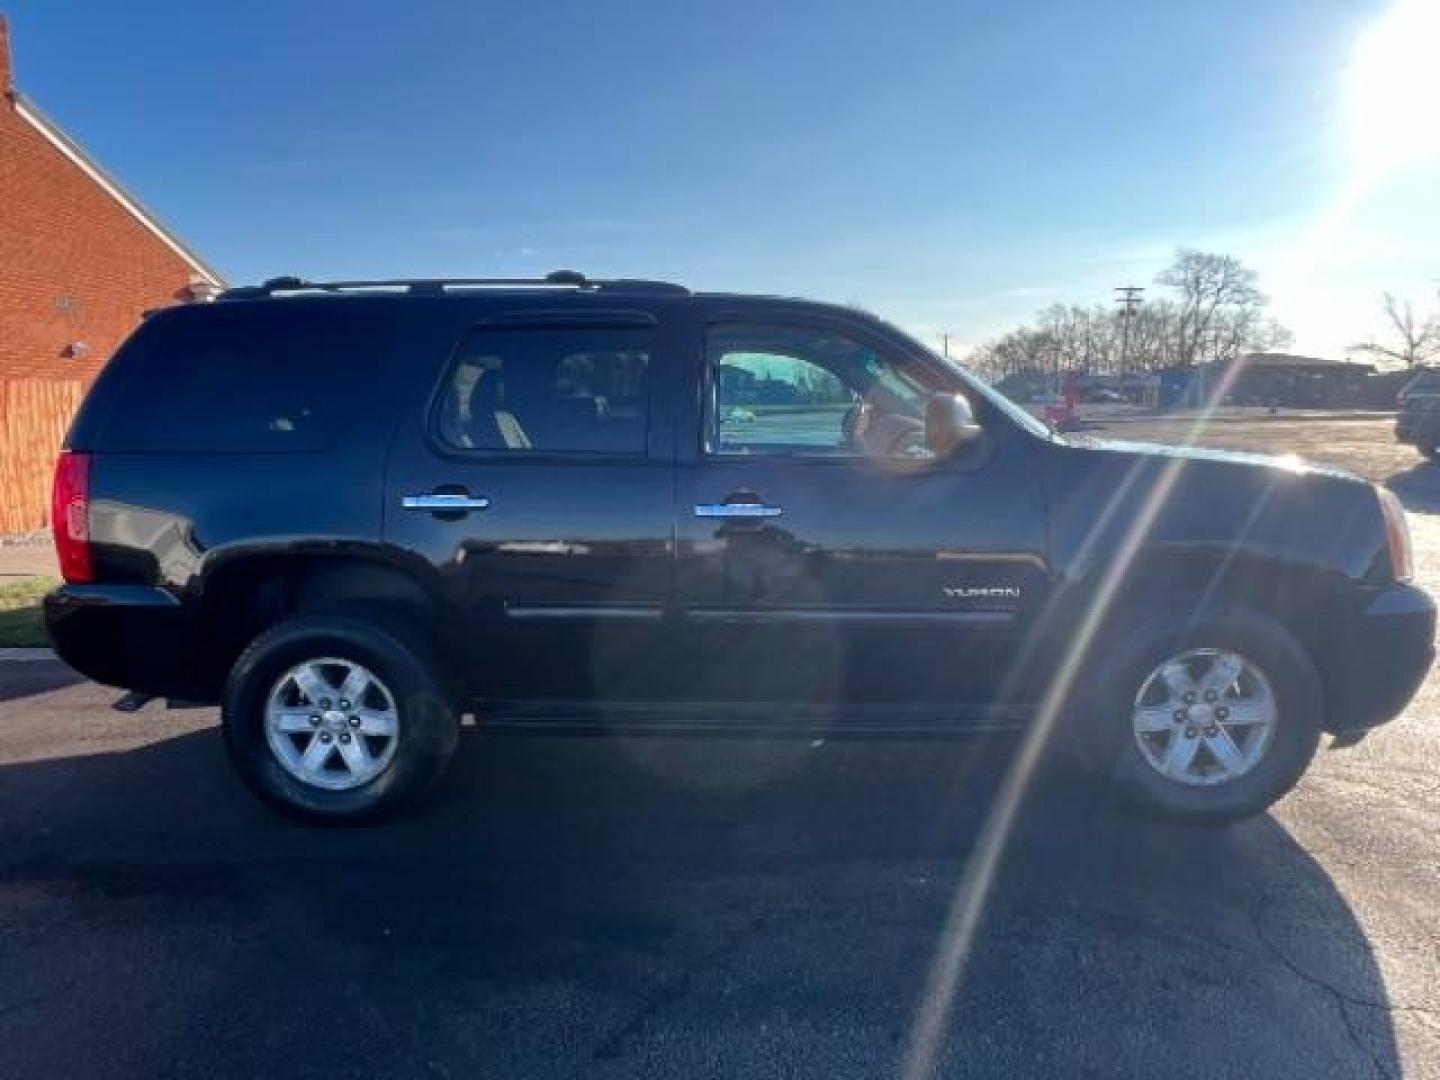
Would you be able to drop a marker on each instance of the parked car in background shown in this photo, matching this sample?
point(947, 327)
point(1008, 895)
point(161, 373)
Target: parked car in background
point(1418, 422)
point(353, 512)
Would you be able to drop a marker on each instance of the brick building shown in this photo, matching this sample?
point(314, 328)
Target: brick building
point(80, 259)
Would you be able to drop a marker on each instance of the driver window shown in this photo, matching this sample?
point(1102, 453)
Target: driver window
point(792, 391)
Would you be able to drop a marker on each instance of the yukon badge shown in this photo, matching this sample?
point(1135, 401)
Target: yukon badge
point(981, 592)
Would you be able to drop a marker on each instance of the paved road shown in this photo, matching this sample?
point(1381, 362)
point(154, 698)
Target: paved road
point(700, 908)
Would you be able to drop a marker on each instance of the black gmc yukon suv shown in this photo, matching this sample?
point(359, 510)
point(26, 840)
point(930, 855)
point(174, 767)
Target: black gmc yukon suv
point(353, 512)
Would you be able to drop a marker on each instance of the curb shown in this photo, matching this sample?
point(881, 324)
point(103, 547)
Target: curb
point(20, 656)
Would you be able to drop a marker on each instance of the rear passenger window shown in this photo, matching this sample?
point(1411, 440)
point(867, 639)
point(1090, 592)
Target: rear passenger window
point(243, 381)
point(567, 391)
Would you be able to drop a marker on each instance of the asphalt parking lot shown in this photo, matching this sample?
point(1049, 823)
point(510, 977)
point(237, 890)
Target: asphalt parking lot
point(712, 907)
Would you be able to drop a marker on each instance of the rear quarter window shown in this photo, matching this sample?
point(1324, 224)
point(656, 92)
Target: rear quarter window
point(267, 380)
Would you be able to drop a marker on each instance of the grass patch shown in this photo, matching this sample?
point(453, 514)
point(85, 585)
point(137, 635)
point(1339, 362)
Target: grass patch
point(20, 623)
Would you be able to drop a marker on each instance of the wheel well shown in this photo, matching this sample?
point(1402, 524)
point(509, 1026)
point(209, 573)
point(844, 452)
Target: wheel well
point(245, 597)
point(1299, 598)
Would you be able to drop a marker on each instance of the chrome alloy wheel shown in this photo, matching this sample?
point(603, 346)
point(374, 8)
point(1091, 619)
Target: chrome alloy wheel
point(1205, 717)
point(332, 724)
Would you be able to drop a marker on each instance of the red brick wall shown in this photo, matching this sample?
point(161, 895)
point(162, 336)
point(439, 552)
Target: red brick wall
point(75, 265)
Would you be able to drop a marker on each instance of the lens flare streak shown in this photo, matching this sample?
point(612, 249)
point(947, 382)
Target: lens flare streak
point(957, 937)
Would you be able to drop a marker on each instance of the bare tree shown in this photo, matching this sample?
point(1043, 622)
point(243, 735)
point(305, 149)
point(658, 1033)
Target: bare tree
point(1068, 328)
point(1152, 334)
point(1214, 293)
point(1245, 330)
point(1023, 351)
point(1417, 339)
point(1218, 313)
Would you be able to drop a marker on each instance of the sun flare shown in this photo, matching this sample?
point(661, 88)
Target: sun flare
point(1393, 94)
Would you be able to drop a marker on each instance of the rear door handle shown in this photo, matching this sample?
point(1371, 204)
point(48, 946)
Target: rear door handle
point(437, 501)
point(737, 510)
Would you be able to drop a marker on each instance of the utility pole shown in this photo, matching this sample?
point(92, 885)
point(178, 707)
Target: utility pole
point(1129, 299)
point(945, 343)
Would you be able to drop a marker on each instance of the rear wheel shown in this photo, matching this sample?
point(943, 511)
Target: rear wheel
point(1213, 722)
point(336, 718)
point(332, 723)
point(1431, 452)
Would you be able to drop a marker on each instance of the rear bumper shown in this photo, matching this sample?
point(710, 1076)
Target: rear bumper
point(1384, 654)
point(133, 636)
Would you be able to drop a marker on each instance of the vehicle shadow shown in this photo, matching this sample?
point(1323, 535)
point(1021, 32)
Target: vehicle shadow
point(701, 907)
point(25, 679)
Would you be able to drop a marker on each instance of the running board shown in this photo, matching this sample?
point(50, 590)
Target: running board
point(744, 718)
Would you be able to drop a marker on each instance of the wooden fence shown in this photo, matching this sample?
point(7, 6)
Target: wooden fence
point(34, 414)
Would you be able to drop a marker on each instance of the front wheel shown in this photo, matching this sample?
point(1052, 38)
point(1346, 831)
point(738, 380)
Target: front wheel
point(1211, 723)
point(337, 718)
point(1431, 452)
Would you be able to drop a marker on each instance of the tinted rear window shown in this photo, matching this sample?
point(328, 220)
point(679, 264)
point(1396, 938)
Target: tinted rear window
point(548, 390)
point(251, 380)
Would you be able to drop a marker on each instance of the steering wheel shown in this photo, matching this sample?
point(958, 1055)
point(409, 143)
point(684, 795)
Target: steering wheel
point(910, 443)
point(867, 430)
point(855, 423)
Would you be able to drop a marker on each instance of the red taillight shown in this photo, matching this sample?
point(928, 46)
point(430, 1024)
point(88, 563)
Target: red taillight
point(1397, 535)
point(70, 515)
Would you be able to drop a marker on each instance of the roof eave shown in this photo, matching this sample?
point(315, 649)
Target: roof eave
point(57, 136)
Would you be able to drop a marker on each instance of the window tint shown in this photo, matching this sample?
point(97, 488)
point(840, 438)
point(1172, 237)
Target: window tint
point(245, 381)
point(788, 390)
point(548, 390)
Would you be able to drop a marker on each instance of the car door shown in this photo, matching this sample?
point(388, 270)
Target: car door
point(823, 558)
point(539, 483)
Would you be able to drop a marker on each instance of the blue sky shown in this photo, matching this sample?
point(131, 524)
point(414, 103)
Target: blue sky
point(951, 165)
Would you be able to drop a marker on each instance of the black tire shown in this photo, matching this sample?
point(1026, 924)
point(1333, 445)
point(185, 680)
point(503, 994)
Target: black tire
point(1430, 452)
point(428, 723)
point(1300, 709)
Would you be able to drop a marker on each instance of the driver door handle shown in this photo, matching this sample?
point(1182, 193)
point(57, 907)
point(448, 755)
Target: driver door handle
point(441, 501)
point(737, 510)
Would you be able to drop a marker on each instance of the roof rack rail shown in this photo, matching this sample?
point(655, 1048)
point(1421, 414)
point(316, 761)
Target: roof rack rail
point(559, 279)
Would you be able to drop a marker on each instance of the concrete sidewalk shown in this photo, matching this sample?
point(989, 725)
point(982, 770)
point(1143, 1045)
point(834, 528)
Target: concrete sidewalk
point(28, 560)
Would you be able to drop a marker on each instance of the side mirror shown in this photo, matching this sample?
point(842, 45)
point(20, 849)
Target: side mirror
point(950, 426)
